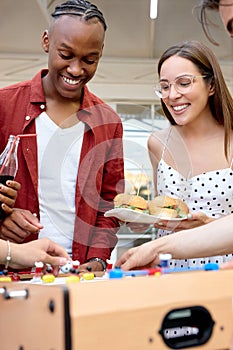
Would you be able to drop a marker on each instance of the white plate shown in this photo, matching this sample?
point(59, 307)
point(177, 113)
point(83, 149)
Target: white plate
point(129, 215)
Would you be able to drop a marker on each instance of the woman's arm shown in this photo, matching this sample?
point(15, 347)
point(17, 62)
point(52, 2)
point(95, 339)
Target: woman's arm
point(215, 238)
point(25, 255)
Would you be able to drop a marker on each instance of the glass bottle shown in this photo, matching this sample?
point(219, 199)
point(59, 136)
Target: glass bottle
point(8, 164)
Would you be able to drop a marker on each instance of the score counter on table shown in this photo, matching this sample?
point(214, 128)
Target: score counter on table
point(171, 311)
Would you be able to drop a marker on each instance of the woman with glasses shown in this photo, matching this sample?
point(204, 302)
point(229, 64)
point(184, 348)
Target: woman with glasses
point(192, 158)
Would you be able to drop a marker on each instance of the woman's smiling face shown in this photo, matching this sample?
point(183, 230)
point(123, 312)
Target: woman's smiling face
point(185, 108)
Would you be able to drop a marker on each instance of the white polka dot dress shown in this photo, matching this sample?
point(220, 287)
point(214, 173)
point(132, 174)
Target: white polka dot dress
point(210, 192)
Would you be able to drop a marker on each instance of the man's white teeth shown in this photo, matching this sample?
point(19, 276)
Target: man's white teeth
point(71, 81)
point(179, 108)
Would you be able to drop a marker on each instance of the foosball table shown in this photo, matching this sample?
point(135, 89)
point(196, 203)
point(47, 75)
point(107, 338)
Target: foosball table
point(171, 311)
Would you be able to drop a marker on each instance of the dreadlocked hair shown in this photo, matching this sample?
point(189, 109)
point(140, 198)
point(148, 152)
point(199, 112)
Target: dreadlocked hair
point(82, 8)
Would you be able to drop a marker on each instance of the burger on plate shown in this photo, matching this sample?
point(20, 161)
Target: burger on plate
point(134, 202)
point(168, 207)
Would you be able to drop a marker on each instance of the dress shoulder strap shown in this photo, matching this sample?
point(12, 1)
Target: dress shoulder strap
point(166, 141)
point(231, 165)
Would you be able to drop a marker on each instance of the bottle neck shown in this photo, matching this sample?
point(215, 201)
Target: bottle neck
point(8, 159)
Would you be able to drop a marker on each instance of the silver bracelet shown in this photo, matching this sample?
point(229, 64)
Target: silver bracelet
point(8, 258)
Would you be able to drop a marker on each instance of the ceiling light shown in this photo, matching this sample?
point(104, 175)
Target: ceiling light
point(153, 9)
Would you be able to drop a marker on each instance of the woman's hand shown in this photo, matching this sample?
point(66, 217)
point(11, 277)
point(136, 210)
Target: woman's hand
point(43, 250)
point(195, 220)
point(144, 256)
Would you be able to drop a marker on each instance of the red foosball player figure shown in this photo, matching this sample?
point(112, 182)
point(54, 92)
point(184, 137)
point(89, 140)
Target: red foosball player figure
point(15, 277)
point(38, 272)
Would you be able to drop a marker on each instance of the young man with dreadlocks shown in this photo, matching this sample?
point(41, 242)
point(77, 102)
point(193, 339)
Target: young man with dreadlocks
point(72, 170)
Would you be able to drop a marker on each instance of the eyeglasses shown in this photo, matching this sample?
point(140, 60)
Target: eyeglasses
point(182, 84)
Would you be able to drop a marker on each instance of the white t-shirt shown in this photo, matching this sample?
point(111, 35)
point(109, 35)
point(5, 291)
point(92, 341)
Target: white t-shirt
point(58, 159)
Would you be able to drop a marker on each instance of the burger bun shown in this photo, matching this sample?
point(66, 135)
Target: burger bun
point(170, 207)
point(122, 200)
point(162, 213)
point(138, 202)
point(134, 202)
